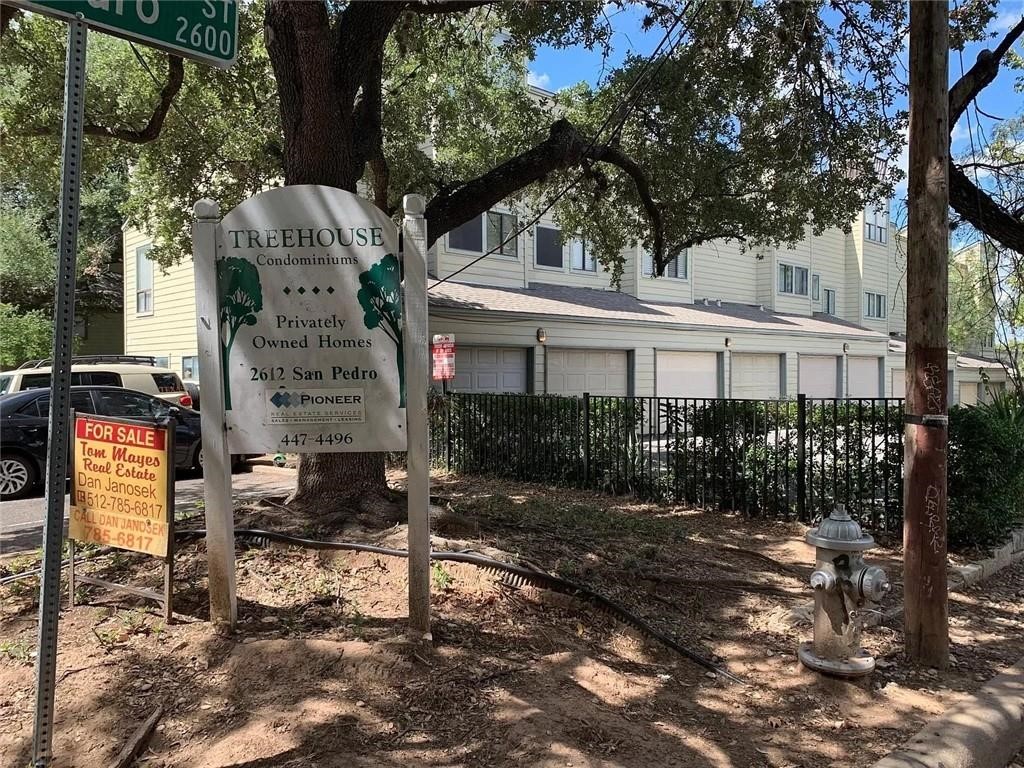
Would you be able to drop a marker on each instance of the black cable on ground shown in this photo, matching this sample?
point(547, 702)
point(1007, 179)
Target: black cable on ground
point(512, 575)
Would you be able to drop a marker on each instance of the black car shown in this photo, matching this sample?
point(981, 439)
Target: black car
point(23, 428)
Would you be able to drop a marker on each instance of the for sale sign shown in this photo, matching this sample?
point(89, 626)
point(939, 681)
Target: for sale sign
point(121, 495)
point(311, 327)
point(442, 353)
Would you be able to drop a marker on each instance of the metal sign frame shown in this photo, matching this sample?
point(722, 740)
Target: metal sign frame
point(164, 598)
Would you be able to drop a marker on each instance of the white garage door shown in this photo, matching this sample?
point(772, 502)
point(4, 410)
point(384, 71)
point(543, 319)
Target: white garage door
point(968, 393)
point(755, 376)
point(862, 377)
point(489, 369)
point(818, 374)
point(899, 382)
point(687, 374)
point(597, 371)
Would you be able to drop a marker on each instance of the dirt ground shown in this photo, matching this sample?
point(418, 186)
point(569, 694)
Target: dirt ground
point(318, 673)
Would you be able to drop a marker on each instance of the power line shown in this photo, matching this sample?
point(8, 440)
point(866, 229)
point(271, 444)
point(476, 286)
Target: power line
point(622, 108)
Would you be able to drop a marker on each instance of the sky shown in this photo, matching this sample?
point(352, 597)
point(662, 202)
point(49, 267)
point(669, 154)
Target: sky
point(554, 69)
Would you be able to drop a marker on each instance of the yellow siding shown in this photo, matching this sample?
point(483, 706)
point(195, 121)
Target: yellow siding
point(170, 331)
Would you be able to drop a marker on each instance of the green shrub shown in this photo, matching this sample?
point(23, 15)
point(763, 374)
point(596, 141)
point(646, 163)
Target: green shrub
point(986, 472)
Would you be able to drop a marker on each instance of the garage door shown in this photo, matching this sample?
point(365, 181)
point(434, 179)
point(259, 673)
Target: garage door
point(862, 377)
point(899, 382)
point(968, 393)
point(755, 376)
point(818, 374)
point(597, 371)
point(687, 374)
point(489, 369)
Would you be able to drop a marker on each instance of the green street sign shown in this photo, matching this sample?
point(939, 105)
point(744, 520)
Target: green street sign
point(204, 30)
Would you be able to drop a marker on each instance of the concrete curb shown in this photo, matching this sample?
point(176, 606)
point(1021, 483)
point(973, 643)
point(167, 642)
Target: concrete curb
point(983, 731)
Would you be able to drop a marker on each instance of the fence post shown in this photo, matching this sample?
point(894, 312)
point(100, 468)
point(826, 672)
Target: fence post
point(801, 456)
point(448, 432)
point(586, 439)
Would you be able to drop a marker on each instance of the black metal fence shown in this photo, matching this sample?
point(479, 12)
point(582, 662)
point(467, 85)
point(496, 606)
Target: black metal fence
point(785, 459)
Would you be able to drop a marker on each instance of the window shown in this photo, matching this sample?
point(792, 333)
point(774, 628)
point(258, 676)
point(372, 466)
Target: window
point(874, 305)
point(501, 227)
point(167, 382)
point(104, 379)
point(143, 280)
point(81, 402)
point(816, 287)
point(161, 362)
point(876, 225)
point(35, 381)
point(5, 384)
point(582, 259)
point(130, 405)
point(469, 236)
point(793, 279)
point(190, 367)
point(830, 301)
point(677, 268)
point(548, 247)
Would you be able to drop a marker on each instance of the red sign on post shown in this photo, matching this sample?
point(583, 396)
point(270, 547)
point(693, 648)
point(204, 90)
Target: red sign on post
point(442, 352)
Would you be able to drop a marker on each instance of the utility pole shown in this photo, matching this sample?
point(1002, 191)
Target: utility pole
point(926, 617)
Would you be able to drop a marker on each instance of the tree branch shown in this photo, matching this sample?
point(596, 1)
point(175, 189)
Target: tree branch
point(564, 148)
point(149, 132)
point(974, 204)
point(616, 157)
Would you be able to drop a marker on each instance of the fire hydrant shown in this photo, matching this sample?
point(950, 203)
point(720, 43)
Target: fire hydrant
point(843, 586)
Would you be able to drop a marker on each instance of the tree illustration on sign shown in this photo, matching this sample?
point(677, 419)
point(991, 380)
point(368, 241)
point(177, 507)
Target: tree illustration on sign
point(240, 298)
point(381, 299)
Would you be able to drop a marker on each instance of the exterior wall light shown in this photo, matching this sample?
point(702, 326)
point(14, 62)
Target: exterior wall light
point(542, 335)
point(846, 348)
point(728, 342)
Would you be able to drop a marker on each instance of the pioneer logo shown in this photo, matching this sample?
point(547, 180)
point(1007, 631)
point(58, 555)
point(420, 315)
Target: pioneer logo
point(305, 399)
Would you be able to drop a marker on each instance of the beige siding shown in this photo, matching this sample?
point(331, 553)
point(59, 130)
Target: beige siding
point(828, 259)
point(724, 271)
point(797, 255)
point(170, 331)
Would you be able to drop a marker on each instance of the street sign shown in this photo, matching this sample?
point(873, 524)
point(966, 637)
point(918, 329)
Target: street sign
point(311, 326)
point(442, 353)
point(205, 30)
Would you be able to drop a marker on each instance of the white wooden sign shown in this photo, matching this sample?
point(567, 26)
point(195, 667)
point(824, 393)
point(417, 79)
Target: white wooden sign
point(311, 327)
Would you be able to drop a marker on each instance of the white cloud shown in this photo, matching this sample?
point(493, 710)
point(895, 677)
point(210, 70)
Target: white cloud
point(538, 79)
point(1005, 21)
point(960, 132)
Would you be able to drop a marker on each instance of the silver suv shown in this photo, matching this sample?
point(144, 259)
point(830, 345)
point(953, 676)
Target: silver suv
point(129, 371)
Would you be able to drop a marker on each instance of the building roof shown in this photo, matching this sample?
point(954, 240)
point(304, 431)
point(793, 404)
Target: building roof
point(898, 345)
point(593, 305)
point(974, 361)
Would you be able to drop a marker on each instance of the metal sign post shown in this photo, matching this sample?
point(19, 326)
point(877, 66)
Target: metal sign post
point(60, 392)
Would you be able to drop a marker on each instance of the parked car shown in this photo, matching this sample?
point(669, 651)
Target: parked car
point(23, 430)
point(136, 372)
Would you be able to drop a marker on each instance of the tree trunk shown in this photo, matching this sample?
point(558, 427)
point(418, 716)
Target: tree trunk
point(318, 141)
point(926, 619)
